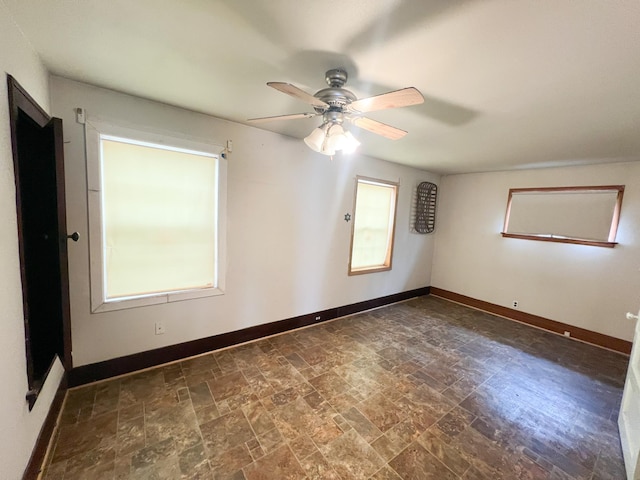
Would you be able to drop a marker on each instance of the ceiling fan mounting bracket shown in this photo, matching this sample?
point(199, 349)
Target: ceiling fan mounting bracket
point(336, 77)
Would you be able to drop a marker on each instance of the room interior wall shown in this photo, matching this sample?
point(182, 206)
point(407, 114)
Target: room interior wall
point(19, 427)
point(585, 286)
point(287, 240)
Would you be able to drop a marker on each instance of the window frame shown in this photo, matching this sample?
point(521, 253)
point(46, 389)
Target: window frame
point(609, 243)
point(95, 128)
point(388, 264)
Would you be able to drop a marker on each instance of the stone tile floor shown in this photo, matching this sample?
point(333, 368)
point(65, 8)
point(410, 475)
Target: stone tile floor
point(425, 389)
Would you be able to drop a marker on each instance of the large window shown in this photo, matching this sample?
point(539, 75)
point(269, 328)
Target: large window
point(156, 208)
point(373, 226)
point(582, 215)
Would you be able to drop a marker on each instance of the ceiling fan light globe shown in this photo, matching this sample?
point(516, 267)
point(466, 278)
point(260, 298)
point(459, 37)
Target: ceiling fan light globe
point(315, 139)
point(335, 137)
point(327, 150)
point(350, 144)
point(337, 142)
point(335, 129)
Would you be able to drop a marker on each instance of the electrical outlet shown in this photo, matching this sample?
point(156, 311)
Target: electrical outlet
point(515, 304)
point(567, 334)
point(318, 317)
point(160, 328)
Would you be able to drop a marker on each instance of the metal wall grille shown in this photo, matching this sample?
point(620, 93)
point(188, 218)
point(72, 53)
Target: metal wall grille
point(425, 212)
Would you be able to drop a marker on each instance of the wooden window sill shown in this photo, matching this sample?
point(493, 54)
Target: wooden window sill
point(575, 241)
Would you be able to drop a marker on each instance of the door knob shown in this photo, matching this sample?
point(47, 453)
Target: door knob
point(75, 236)
point(631, 316)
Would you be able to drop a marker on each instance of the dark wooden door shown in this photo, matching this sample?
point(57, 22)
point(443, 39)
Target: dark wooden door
point(40, 200)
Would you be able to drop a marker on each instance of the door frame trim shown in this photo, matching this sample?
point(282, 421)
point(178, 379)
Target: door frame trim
point(19, 99)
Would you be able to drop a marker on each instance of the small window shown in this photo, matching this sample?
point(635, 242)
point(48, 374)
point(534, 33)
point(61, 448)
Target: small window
point(156, 211)
point(582, 215)
point(373, 226)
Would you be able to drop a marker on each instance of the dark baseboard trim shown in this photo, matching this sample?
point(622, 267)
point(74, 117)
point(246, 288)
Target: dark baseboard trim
point(577, 333)
point(40, 449)
point(138, 361)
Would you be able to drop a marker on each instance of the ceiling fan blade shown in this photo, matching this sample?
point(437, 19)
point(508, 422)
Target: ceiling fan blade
point(293, 116)
point(399, 98)
point(380, 128)
point(298, 93)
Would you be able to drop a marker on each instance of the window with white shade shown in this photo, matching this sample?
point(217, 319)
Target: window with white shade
point(156, 208)
point(581, 215)
point(373, 226)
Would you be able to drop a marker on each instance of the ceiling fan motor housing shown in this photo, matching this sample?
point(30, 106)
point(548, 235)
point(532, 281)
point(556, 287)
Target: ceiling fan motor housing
point(335, 96)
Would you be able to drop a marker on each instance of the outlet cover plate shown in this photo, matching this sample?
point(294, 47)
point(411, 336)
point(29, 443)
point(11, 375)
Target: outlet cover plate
point(160, 328)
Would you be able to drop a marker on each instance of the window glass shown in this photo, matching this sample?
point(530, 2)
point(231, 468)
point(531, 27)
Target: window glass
point(159, 212)
point(585, 215)
point(156, 217)
point(373, 226)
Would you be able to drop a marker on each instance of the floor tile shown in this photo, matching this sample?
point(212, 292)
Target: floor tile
point(415, 463)
point(281, 464)
point(417, 390)
point(352, 457)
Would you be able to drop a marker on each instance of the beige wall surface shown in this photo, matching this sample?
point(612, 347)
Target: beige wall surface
point(19, 428)
point(287, 240)
point(585, 286)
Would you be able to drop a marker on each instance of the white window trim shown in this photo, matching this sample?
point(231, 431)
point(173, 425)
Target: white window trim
point(94, 128)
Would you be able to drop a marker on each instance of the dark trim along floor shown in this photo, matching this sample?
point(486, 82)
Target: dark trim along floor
point(138, 361)
point(595, 338)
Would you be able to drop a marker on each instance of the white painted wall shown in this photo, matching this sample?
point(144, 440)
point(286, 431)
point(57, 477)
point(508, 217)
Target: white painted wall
point(288, 243)
point(584, 286)
point(19, 428)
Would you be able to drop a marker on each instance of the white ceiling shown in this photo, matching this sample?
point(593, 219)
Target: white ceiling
point(507, 83)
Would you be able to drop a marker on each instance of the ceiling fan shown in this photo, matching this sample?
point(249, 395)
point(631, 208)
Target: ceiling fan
point(336, 104)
